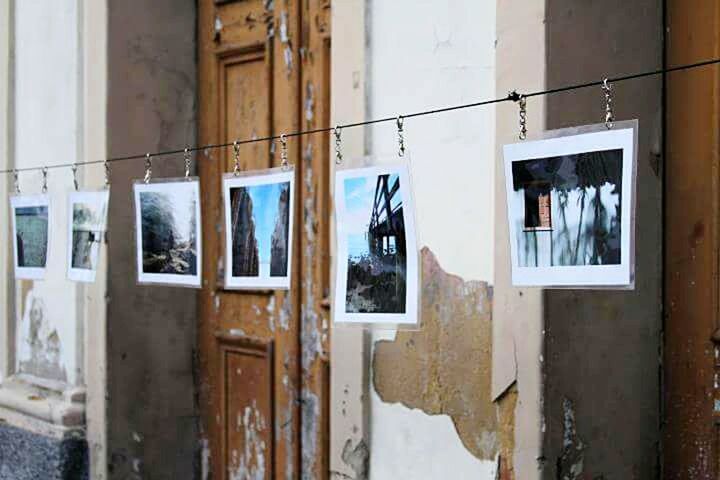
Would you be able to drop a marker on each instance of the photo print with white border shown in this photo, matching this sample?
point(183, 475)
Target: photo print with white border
point(87, 217)
point(168, 232)
point(259, 218)
point(570, 204)
point(31, 235)
point(376, 279)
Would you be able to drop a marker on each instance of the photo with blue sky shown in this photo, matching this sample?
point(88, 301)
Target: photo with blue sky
point(265, 200)
point(359, 198)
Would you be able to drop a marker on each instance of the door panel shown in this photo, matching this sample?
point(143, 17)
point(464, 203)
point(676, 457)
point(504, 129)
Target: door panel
point(262, 374)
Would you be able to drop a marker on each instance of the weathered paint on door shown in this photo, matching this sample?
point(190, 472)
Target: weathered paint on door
point(692, 338)
point(263, 373)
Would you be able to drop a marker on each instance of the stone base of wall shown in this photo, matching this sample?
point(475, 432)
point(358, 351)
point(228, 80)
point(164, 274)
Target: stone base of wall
point(26, 455)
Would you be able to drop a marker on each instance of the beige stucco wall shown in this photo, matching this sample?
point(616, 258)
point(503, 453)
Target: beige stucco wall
point(518, 313)
point(94, 78)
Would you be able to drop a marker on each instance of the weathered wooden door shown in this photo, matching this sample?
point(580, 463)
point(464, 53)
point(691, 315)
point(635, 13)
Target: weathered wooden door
point(691, 440)
point(263, 373)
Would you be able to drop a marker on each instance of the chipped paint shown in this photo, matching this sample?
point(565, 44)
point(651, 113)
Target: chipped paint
point(357, 458)
point(445, 367)
point(309, 102)
point(285, 313)
point(309, 434)
point(285, 428)
point(40, 349)
point(250, 464)
point(310, 336)
point(571, 463)
point(285, 41)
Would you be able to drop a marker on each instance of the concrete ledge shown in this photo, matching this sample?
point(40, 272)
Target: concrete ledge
point(63, 409)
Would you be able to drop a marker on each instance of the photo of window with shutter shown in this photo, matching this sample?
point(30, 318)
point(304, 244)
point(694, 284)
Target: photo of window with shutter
point(568, 203)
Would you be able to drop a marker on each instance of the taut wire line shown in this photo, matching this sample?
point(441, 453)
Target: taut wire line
point(511, 97)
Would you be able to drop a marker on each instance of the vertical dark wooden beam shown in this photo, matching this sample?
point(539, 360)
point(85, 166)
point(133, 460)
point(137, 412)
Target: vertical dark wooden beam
point(690, 444)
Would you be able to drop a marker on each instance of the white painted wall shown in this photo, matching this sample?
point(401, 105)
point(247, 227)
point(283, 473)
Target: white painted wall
point(4, 182)
point(47, 116)
point(425, 54)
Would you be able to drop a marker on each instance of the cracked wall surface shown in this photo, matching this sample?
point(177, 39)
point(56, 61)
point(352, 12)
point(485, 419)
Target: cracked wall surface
point(445, 367)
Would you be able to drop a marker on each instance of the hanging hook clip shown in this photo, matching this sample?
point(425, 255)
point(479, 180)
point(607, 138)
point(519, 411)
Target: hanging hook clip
point(186, 155)
point(236, 158)
point(609, 115)
point(148, 168)
point(107, 174)
point(401, 138)
point(338, 153)
point(16, 179)
point(74, 173)
point(45, 175)
point(522, 102)
point(283, 151)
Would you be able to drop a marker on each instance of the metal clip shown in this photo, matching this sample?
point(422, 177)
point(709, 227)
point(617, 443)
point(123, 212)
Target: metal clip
point(283, 151)
point(401, 138)
point(148, 168)
point(44, 185)
point(522, 102)
point(609, 115)
point(338, 153)
point(16, 179)
point(236, 158)
point(74, 173)
point(186, 155)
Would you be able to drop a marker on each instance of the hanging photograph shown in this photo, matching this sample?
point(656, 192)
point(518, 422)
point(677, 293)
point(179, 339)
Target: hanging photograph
point(259, 229)
point(31, 235)
point(377, 269)
point(168, 232)
point(87, 217)
point(570, 203)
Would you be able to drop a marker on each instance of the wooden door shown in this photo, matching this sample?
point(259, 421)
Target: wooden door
point(691, 448)
point(262, 370)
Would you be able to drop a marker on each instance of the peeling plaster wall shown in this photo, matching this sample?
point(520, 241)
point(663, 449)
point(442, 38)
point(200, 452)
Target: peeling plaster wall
point(48, 106)
point(443, 56)
point(602, 348)
point(152, 416)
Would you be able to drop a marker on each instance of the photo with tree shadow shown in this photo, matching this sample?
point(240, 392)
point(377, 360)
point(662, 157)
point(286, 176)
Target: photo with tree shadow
point(169, 230)
point(377, 256)
point(260, 223)
point(567, 209)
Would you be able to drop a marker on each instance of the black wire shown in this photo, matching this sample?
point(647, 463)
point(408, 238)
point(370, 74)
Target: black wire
point(511, 97)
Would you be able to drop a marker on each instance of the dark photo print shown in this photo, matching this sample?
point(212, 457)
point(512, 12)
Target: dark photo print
point(260, 226)
point(31, 236)
point(169, 230)
point(567, 209)
point(377, 256)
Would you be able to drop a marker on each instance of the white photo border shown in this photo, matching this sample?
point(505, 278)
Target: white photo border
point(255, 178)
point(412, 297)
point(96, 197)
point(16, 201)
point(591, 138)
point(168, 279)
